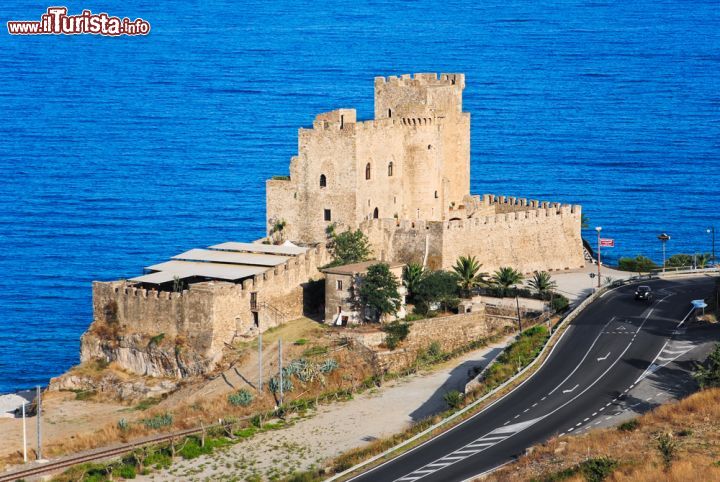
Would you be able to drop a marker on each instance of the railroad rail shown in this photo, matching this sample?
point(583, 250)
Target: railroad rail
point(93, 455)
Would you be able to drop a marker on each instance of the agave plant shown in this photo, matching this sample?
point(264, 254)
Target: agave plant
point(467, 269)
point(542, 282)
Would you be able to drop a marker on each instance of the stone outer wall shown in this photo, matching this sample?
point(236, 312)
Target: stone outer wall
point(195, 324)
point(528, 237)
point(451, 332)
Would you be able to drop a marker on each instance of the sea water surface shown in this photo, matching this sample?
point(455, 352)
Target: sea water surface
point(116, 153)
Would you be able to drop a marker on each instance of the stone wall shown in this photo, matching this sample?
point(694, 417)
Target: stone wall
point(528, 237)
point(451, 332)
point(190, 329)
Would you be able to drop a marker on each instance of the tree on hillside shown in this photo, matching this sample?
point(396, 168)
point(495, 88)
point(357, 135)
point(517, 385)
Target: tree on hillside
point(436, 287)
point(679, 260)
point(348, 247)
point(542, 282)
point(639, 264)
point(413, 274)
point(379, 292)
point(468, 273)
point(504, 278)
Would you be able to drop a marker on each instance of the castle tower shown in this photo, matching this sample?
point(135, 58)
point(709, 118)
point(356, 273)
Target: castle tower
point(411, 162)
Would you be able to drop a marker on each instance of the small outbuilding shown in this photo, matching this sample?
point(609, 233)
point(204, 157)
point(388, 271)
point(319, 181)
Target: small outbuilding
point(341, 285)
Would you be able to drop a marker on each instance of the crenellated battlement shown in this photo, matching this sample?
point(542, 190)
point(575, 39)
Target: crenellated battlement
point(422, 79)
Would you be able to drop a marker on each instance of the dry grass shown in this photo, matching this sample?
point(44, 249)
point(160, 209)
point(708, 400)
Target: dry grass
point(694, 423)
point(190, 413)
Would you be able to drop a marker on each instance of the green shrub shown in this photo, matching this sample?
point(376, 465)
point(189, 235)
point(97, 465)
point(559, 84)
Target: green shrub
point(559, 303)
point(708, 374)
point(156, 340)
point(315, 351)
point(301, 341)
point(396, 331)
point(310, 476)
point(158, 421)
point(597, 469)
point(281, 178)
point(667, 446)
point(241, 398)
point(159, 460)
point(414, 317)
point(686, 432)
point(127, 472)
point(453, 398)
point(629, 426)
point(85, 394)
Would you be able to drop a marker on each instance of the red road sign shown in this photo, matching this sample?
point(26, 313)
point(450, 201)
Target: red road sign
point(607, 243)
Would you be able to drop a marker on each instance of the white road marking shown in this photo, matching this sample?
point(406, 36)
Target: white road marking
point(605, 357)
point(588, 418)
point(594, 413)
point(573, 388)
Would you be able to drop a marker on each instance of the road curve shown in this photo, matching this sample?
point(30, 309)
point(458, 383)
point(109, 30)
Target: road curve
point(606, 350)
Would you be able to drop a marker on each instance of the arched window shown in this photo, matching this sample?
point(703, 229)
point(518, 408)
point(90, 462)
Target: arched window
point(323, 180)
point(376, 213)
point(436, 195)
point(367, 171)
point(390, 169)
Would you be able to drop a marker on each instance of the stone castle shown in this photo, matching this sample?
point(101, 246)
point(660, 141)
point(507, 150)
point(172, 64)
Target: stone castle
point(404, 179)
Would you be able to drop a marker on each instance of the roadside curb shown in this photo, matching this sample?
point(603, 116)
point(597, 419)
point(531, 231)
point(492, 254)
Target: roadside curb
point(551, 343)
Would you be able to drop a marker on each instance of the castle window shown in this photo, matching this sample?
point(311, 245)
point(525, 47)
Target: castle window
point(323, 180)
point(328, 217)
point(367, 171)
point(338, 284)
point(429, 146)
point(436, 195)
point(390, 169)
point(376, 213)
point(389, 113)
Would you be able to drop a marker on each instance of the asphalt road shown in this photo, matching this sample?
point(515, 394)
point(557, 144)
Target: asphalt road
point(604, 353)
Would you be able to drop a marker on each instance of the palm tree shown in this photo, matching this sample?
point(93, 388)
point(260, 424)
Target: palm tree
point(504, 278)
point(466, 268)
point(413, 275)
point(542, 282)
point(702, 260)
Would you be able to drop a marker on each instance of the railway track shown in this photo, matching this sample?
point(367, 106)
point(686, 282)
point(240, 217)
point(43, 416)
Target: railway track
point(69, 461)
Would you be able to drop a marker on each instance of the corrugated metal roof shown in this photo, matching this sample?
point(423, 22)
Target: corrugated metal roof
point(222, 271)
point(232, 257)
point(260, 248)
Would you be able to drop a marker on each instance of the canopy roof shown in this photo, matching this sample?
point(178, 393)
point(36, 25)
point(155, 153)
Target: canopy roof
point(229, 261)
point(290, 250)
point(232, 257)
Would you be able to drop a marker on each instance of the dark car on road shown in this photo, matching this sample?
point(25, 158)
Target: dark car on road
point(644, 293)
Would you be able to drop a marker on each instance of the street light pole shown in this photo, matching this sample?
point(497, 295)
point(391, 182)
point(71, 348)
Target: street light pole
point(664, 238)
point(710, 230)
point(598, 229)
point(517, 304)
point(24, 434)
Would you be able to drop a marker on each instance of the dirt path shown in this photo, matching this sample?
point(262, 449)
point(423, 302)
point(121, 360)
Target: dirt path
point(334, 428)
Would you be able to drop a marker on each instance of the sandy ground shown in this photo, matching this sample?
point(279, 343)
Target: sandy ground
point(577, 284)
point(334, 428)
point(63, 416)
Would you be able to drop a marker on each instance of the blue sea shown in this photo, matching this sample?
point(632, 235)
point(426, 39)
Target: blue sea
point(116, 153)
